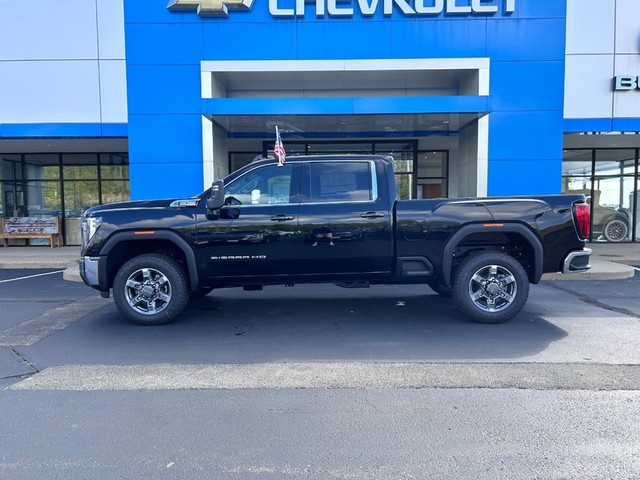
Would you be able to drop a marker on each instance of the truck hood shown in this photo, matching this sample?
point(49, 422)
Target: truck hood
point(138, 205)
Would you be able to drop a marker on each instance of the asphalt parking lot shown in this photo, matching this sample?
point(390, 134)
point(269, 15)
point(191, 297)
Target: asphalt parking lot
point(317, 381)
point(563, 322)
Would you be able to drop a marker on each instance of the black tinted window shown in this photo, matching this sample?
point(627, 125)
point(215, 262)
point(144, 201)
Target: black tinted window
point(340, 182)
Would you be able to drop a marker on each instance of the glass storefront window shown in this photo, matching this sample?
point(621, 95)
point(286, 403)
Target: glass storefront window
point(237, 160)
point(577, 162)
point(78, 196)
point(10, 167)
point(13, 199)
point(404, 186)
point(615, 162)
point(403, 150)
point(44, 198)
point(402, 166)
point(42, 166)
point(31, 184)
point(432, 188)
point(609, 188)
point(432, 164)
point(80, 166)
point(335, 148)
point(611, 209)
point(114, 167)
point(579, 185)
point(115, 191)
point(80, 172)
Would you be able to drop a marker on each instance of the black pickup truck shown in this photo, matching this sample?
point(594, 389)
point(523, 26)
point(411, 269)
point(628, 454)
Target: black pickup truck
point(329, 219)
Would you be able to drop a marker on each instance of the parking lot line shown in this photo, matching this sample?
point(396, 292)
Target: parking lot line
point(32, 331)
point(30, 276)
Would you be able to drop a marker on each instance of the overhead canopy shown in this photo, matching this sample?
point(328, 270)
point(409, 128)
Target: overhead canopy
point(336, 98)
point(338, 126)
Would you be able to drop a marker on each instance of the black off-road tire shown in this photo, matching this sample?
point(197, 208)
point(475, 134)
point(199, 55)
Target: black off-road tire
point(481, 281)
point(441, 290)
point(160, 283)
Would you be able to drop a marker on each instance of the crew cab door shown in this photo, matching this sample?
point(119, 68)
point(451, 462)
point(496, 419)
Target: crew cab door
point(345, 219)
point(256, 233)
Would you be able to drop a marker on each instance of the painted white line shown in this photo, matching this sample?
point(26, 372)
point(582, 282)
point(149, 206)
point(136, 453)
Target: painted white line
point(32, 331)
point(635, 268)
point(31, 276)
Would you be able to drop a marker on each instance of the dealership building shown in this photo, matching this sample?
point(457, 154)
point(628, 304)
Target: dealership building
point(110, 100)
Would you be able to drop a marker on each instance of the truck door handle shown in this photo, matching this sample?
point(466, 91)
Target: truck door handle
point(281, 218)
point(372, 215)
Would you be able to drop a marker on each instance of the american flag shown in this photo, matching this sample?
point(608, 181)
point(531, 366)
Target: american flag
point(278, 149)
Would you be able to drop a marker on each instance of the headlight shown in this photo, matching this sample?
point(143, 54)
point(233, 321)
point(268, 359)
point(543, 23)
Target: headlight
point(89, 227)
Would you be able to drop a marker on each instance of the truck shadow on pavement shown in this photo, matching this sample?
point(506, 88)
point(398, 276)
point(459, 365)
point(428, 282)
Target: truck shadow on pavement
point(312, 323)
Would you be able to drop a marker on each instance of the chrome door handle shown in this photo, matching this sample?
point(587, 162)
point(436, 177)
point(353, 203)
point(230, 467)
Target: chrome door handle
point(281, 218)
point(372, 215)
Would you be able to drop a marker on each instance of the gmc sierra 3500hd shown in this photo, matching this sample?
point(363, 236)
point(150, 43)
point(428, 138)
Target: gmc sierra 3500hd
point(329, 219)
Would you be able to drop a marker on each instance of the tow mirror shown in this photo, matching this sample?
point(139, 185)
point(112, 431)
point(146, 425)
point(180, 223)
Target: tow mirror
point(216, 200)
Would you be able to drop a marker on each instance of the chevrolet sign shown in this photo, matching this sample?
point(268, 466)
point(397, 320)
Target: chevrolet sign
point(296, 8)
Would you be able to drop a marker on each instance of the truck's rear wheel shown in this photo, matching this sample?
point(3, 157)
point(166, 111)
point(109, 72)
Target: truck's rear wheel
point(491, 287)
point(151, 289)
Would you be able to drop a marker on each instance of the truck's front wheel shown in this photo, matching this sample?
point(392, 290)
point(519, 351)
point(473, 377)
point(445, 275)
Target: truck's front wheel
point(151, 289)
point(491, 287)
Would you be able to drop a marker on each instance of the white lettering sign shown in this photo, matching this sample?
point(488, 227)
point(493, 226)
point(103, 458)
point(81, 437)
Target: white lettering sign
point(347, 8)
point(625, 83)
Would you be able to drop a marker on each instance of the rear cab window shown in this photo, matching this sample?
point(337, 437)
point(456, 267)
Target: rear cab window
point(339, 182)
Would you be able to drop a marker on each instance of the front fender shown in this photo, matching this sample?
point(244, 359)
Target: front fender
point(168, 235)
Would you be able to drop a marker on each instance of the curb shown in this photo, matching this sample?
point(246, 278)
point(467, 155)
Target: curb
point(72, 273)
point(600, 270)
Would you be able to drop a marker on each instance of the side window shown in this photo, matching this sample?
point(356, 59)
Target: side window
point(340, 182)
point(263, 186)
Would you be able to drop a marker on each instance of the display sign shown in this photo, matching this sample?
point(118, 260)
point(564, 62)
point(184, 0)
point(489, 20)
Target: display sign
point(31, 225)
point(335, 8)
point(625, 82)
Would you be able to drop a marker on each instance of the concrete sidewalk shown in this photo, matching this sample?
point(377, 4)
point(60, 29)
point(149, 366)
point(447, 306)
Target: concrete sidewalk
point(39, 257)
point(608, 262)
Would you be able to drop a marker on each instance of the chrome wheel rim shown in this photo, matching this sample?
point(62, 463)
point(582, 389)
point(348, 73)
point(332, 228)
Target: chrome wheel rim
point(493, 288)
point(616, 231)
point(148, 291)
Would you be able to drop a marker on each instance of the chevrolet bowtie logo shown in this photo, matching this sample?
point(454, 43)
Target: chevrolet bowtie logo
point(210, 7)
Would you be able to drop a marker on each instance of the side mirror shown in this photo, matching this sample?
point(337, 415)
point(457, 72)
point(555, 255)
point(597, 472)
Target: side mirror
point(216, 200)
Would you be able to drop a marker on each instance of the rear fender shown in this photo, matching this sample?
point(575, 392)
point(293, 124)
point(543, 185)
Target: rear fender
point(460, 235)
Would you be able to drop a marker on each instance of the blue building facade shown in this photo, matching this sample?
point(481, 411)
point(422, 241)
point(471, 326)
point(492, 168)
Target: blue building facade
point(504, 64)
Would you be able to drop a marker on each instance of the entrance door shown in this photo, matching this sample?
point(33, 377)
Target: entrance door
point(257, 232)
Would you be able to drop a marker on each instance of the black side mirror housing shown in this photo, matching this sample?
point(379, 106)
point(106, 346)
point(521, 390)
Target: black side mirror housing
point(216, 200)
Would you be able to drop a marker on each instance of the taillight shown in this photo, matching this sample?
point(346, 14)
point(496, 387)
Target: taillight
point(583, 220)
